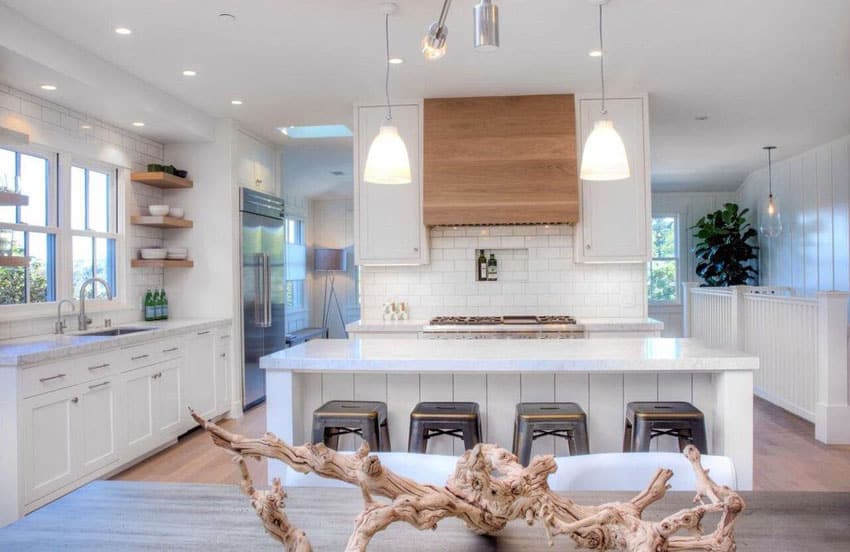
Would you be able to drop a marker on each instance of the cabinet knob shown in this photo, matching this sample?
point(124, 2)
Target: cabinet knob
point(587, 246)
point(75, 400)
point(416, 249)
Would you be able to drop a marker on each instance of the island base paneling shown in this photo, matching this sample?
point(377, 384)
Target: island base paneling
point(724, 397)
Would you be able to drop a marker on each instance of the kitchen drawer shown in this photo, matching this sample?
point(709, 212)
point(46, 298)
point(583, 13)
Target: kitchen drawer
point(151, 353)
point(98, 366)
point(48, 377)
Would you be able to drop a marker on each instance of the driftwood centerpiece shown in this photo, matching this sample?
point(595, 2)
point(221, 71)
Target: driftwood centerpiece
point(488, 489)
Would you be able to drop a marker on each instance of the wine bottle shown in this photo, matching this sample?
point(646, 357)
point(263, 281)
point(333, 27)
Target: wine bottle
point(482, 267)
point(492, 268)
point(148, 306)
point(164, 300)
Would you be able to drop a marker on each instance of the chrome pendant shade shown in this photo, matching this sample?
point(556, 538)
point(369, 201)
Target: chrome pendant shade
point(485, 16)
point(434, 43)
point(604, 154)
point(770, 219)
point(387, 161)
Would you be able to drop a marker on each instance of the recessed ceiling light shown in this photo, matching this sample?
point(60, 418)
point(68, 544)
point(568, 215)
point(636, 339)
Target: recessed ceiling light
point(316, 131)
point(236, 102)
point(227, 17)
point(85, 127)
point(701, 117)
point(138, 124)
point(48, 87)
point(396, 60)
point(189, 73)
point(596, 52)
point(123, 31)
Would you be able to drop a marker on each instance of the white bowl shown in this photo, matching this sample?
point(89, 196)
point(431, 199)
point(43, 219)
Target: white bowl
point(178, 253)
point(158, 210)
point(176, 212)
point(153, 254)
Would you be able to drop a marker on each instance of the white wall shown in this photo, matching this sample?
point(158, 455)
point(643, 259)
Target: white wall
point(58, 128)
point(689, 207)
point(541, 278)
point(812, 191)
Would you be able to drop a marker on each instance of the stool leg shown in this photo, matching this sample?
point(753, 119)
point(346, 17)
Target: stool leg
point(526, 439)
point(579, 439)
point(384, 439)
point(330, 441)
point(369, 432)
point(471, 434)
point(318, 431)
point(627, 437)
point(698, 436)
point(641, 435)
point(417, 440)
point(683, 436)
point(514, 444)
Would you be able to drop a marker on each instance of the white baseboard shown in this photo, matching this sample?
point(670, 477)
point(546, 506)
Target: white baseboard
point(782, 403)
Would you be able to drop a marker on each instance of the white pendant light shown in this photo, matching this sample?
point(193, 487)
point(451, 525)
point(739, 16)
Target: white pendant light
point(604, 154)
point(770, 220)
point(387, 161)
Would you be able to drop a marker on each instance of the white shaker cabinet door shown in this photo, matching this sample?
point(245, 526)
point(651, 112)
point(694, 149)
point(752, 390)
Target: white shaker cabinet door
point(614, 220)
point(388, 217)
point(168, 412)
point(222, 374)
point(98, 424)
point(50, 457)
point(198, 373)
point(138, 410)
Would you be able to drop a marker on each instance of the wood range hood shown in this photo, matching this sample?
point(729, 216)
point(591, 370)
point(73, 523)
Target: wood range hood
point(500, 160)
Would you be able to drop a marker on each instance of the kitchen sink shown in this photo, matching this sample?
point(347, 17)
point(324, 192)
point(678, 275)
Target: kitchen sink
point(114, 332)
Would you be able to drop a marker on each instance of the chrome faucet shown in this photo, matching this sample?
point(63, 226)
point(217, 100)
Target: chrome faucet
point(83, 321)
point(60, 325)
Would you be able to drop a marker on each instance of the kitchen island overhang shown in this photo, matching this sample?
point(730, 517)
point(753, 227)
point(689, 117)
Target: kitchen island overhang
point(601, 375)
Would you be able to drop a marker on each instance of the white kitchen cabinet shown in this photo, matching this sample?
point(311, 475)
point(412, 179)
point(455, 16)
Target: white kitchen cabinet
point(99, 421)
point(198, 373)
point(254, 163)
point(222, 373)
point(168, 413)
point(139, 410)
point(615, 215)
point(388, 223)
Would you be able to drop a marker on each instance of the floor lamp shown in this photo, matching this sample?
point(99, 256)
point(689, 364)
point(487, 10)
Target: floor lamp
point(330, 261)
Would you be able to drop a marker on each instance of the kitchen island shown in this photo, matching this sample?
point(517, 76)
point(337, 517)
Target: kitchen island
point(601, 375)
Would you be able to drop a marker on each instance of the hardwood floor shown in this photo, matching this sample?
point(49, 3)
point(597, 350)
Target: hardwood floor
point(786, 456)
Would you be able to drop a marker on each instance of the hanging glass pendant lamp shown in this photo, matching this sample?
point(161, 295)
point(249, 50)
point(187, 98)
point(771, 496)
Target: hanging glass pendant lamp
point(770, 220)
point(604, 154)
point(387, 161)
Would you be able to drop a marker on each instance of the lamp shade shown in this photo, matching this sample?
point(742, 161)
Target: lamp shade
point(329, 259)
point(604, 155)
point(485, 16)
point(387, 161)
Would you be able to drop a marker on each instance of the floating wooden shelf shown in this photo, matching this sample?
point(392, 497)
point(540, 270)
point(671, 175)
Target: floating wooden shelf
point(11, 198)
point(161, 180)
point(160, 222)
point(164, 263)
point(14, 261)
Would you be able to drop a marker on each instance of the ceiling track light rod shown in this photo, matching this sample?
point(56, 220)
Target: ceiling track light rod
point(602, 61)
point(444, 13)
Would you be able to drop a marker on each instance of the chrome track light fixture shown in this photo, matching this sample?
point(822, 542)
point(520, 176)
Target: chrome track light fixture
point(485, 18)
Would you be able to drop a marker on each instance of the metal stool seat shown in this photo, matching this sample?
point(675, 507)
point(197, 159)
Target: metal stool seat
point(430, 419)
point(534, 420)
point(368, 419)
point(649, 419)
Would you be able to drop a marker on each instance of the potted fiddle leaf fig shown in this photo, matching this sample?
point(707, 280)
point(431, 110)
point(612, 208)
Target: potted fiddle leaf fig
point(725, 250)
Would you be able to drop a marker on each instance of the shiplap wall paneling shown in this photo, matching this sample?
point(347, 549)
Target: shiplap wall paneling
point(310, 399)
point(437, 387)
point(572, 388)
point(539, 388)
point(402, 396)
point(472, 388)
point(503, 392)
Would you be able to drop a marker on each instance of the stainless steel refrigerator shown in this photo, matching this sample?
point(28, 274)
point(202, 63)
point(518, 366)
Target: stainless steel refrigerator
point(263, 287)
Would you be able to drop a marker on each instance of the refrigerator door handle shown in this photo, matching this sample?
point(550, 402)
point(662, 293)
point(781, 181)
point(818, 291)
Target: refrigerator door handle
point(259, 291)
point(267, 292)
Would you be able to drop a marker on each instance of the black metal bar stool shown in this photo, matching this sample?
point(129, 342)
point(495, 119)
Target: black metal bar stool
point(430, 419)
point(650, 419)
point(534, 420)
point(367, 419)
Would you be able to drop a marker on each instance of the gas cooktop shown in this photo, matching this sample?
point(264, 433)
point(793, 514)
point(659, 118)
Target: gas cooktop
point(498, 320)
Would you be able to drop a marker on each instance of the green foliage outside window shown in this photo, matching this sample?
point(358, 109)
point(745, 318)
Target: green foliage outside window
point(663, 278)
point(13, 282)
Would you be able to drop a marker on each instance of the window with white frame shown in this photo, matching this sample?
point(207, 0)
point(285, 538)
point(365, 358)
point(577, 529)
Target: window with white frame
point(68, 229)
point(663, 269)
point(296, 264)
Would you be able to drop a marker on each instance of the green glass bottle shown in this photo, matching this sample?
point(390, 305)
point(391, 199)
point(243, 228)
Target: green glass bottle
point(148, 306)
point(155, 305)
point(164, 302)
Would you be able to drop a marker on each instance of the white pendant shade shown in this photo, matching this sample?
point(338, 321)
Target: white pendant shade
point(604, 155)
point(387, 161)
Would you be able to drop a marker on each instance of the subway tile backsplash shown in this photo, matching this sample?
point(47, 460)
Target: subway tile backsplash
point(537, 275)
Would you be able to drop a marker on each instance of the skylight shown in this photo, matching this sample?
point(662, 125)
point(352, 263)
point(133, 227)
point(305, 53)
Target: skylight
point(317, 131)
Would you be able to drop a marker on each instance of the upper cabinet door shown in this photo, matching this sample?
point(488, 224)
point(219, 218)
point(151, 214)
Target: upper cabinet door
point(614, 225)
point(388, 218)
point(254, 164)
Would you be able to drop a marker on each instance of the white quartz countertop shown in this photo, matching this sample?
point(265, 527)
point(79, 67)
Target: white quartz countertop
point(613, 355)
point(41, 348)
point(587, 324)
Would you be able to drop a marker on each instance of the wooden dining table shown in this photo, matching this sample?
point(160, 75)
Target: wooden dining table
point(130, 516)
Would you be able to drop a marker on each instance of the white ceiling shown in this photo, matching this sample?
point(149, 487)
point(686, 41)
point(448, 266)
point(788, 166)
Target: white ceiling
point(764, 71)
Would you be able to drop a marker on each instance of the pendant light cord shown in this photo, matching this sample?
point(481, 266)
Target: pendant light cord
point(387, 79)
point(602, 61)
point(769, 175)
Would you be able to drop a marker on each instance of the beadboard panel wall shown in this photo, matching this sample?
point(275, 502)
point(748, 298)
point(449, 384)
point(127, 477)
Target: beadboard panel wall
point(58, 128)
point(813, 191)
point(553, 284)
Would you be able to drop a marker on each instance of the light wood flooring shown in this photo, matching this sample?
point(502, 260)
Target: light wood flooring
point(787, 456)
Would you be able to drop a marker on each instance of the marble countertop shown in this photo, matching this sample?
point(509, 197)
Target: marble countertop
point(40, 348)
point(587, 324)
point(613, 355)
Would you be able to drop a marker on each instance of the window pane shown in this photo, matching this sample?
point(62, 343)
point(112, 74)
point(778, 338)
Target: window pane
point(662, 280)
point(82, 262)
point(104, 265)
point(34, 185)
point(41, 249)
point(7, 182)
point(98, 202)
point(664, 237)
point(78, 198)
point(13, 279)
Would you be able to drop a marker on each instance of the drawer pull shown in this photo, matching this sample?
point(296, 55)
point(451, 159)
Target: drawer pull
point(57, 376)
point(95, 386)
point(140, 357)
point(225, 337)
point(222, 355)
point(204, 332)
point(99, 366)
point(75, 400)
point(157, 375)
point(171, 350)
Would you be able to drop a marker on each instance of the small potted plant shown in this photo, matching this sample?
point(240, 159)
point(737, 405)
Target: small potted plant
point(725, 253)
